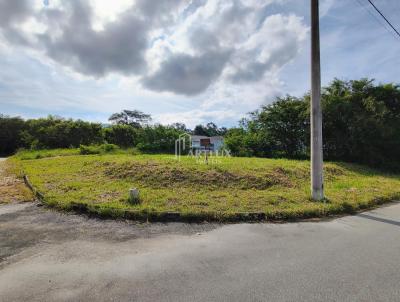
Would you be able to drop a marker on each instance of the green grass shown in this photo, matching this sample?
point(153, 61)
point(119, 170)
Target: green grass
point(83, 150)
point(37, 154)
point(226, 190)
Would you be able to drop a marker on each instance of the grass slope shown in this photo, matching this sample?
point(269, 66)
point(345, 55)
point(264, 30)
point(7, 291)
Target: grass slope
point(226, 191)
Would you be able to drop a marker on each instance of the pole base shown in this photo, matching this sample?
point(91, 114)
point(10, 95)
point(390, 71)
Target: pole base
point(317, 195)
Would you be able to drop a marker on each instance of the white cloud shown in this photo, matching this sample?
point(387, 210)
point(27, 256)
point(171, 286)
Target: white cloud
point(224, 27)
point(276, 43)
point(106, 11)
point(223, 57)
point(325, 6)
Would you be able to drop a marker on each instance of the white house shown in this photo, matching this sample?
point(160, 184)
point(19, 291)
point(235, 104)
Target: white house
point(211, 143)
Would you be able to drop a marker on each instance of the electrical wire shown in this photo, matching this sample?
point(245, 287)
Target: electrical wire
point(376, 18)
point(383, 16)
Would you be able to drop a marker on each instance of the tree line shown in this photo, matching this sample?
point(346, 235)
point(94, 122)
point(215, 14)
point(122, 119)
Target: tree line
point(361, 123)
point(129, 128)
point(56, 132)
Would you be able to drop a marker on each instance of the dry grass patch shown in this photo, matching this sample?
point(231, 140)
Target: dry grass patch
point(12, 188)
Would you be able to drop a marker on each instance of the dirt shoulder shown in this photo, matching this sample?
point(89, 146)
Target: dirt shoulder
point(12, 188)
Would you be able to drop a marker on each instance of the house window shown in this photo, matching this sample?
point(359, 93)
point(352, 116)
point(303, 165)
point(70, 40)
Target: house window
point(205, 142)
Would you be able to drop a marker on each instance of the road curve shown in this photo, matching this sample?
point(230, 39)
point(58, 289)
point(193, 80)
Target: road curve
point(48, 256)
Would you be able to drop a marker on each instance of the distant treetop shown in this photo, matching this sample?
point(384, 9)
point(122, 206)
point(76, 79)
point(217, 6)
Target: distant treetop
point(134, 118)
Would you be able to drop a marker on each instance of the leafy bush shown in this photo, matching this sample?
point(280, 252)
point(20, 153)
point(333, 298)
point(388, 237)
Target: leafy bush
point(109, 147)
point(134, 151)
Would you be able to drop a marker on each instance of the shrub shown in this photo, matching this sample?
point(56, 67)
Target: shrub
point(86, 150)
point(97, 149)
point(134, 151)
point(109, 147)
point(122, 135)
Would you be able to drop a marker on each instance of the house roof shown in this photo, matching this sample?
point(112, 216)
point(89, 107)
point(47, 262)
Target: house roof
point(203, 136)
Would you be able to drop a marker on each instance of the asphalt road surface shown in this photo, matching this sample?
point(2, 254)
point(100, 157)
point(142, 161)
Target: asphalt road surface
point(49, 256)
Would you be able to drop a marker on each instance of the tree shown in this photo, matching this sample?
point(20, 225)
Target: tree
point(158, 138)
point(133, 118)
point(285, 123)
point(361, 123)
point(121, 135)
point(50, 132)
point(236, 140)
point(211, 129)
point(180, 127)
point(200, 130)
point(56, 132)
point(10, 130)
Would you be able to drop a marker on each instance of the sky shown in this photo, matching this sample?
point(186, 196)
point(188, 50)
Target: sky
point(188, 61)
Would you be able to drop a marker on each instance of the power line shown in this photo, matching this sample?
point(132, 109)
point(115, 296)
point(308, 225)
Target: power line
point(383, 16)
point(376, 18)
point(394, 8)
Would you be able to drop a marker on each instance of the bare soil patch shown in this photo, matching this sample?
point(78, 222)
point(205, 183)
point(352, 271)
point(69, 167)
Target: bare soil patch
point(12, 188)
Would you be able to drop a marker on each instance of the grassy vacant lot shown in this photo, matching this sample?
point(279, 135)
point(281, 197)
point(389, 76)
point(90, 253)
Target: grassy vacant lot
point(227, 190)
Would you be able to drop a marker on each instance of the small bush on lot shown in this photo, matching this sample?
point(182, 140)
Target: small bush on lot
point(86, 150)
point(109, 147)
point(99, 149)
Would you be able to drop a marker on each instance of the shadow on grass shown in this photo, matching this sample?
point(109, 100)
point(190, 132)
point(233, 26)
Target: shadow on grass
point(366, 171)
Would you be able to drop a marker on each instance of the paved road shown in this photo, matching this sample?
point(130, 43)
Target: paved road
point(48, 256)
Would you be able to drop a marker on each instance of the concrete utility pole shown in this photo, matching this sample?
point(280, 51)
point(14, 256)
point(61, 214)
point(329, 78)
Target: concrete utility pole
point(317, 178)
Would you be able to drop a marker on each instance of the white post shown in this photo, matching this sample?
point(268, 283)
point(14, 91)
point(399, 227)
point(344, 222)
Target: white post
point(134, 197)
